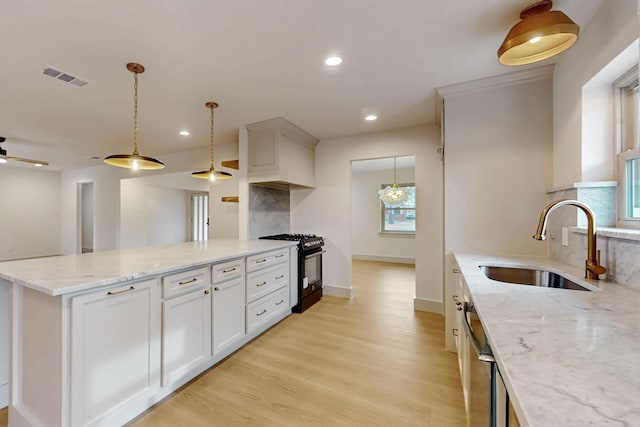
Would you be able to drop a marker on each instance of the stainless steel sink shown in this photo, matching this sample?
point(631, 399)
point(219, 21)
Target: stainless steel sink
point(530, 276)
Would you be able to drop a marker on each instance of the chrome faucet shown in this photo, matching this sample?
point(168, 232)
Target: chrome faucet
point(592, 265)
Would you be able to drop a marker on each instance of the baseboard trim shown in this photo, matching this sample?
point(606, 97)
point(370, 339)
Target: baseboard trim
point(427, 305)
point(337, 291)
point(4, 395)
point(398, 260)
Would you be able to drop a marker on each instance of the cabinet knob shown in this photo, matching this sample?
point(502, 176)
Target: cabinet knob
point(206, 292)
point(455, 270)
point(216, 288)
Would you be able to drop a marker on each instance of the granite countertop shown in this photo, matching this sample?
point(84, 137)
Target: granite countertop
point(72, 273)
point(568, 358)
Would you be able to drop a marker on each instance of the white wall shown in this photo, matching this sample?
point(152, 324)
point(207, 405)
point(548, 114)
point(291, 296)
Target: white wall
point(326, 209)
point(152, 215)
point(366, 240)
point(30, 212)
point(498, 164)
point(4, 343)
point(106, 181)
point(610, 31)
point(224, 215)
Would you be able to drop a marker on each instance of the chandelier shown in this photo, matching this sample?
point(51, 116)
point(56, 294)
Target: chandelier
point(393, 195)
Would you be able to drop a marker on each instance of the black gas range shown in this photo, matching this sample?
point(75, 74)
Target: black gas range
point(309, 267)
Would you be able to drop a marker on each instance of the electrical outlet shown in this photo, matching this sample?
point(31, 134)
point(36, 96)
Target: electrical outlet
point(565, 236)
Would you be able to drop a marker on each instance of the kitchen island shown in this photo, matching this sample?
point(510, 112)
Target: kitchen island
point(95, 339)
point(567, 357)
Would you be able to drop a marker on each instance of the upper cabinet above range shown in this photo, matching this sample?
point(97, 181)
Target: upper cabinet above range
point(281, 155)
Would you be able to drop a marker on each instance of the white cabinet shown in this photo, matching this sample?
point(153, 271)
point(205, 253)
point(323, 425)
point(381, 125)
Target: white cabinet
point(115, 350)
point(263, 282)
point(263, 310)
point(186, 334)
point(4, 343)
point(266, 259)
point(463, 346)
point(268, 281)
point(228, 306)
point(184, 281)
point(280, 154)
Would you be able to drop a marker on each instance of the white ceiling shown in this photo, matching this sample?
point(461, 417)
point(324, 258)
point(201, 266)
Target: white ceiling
point(258, 59)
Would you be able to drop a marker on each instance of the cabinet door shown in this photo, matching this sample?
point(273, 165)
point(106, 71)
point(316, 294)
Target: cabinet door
point(186, 334)
point(228, 314)
point(115, 351)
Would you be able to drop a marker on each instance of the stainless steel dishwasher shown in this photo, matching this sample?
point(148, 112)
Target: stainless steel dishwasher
point(482, 372)
point(489, 403)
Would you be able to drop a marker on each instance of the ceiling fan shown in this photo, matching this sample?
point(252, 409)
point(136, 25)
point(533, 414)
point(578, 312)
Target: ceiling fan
point(4, 157)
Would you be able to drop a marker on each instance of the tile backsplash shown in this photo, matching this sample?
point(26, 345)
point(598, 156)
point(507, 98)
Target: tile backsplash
point(620, 256)
point(269, 211)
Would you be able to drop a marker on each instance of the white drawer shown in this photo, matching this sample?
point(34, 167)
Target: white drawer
point(265, 259)
point(261, 311)
point(227, 270)
point(262, 282)
point(179, 283)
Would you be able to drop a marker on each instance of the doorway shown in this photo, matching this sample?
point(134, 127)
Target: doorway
point(199, 216)
point(85, 206)
point(382, 235)
point(379, 231)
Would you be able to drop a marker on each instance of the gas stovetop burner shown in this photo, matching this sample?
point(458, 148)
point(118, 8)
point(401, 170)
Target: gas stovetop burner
point(307, 241)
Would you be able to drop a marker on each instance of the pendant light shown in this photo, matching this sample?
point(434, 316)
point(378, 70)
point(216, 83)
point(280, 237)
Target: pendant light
point(211, 174)
point(539, 35)
point(393, 195)
point(134, 161)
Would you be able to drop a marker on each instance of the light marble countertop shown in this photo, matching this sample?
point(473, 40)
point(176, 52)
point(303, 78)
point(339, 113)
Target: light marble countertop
point(72, 273)
point(568, 358)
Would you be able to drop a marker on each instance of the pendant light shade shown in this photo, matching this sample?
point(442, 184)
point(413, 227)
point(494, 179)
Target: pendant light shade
point(211, 174)
point(134, 161)
point(393, 195)
point(539, 35)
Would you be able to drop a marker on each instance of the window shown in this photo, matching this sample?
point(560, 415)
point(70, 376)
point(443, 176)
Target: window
point(628, 147)
point(399, 219)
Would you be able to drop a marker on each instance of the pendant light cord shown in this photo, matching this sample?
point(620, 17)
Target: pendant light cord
point(395, 184)
point(135, 113)
point(212, 108)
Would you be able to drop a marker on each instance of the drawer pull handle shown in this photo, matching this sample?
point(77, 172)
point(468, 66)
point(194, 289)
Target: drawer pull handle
point(279, 256)
point(261, 313)
point(280, 302)
point(216, 288)
point(188, 281)
point(229, 270)
point(206, 292)
point(260, 261)
point(280, 277)
point(261, 284)
point(121, 292)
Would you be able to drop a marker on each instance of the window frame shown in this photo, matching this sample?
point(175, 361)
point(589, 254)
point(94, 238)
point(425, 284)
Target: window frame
point(627, 140)
point(383, 210)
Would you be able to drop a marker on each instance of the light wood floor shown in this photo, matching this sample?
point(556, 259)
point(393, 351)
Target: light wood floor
point(371, 361)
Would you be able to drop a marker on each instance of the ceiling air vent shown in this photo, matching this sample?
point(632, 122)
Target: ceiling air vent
point(64, 76)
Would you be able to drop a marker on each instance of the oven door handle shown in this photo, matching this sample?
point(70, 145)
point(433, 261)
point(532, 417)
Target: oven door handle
point(482, 355)
point(316, 254)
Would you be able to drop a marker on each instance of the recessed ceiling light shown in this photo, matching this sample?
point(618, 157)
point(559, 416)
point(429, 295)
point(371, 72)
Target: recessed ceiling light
point(184, 133)
point(333, 61)
point(38, 165)
point(371, 117)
